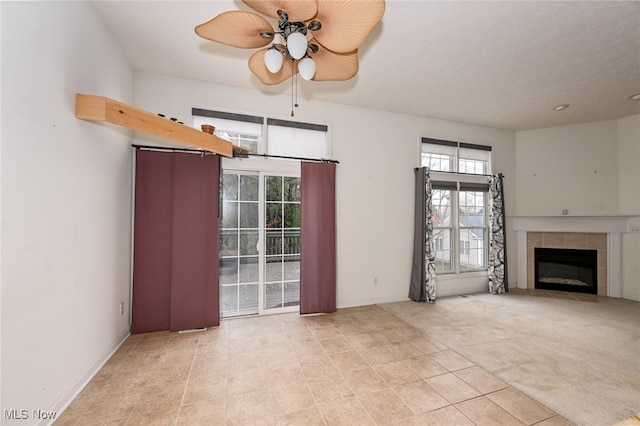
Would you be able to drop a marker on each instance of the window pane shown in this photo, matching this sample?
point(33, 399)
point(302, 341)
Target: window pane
point(438, 162)
point(273, 216)
point(291, 268)
point(273, 296)
point(471, 208)
point(229, 187)
point(249, 269)
point(476, 161)
point(248, 297)
point(291, 241)
point(473, 166)
point(249, 142)
point(441, 206)
point(249, 243)
point(229, 298)
point(249, 215)
point(241, 133)
point(292, 293)
point(249, 188)
point(228, 243)
point(444, 250)
point(292, 215)
point(229, 214)
point(291, 189)
point(273, 242)
point(475, 255)
point(273, 188)
point(273, 268)
point(229, 270)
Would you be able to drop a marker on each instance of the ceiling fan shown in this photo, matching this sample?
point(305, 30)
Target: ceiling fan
point(317, 38)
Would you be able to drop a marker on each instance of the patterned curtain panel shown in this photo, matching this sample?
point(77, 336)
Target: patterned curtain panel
point(497, 242)
point(423, 271)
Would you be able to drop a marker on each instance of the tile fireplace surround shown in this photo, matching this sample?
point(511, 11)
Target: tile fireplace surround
point(602, 233)
point(569, 240)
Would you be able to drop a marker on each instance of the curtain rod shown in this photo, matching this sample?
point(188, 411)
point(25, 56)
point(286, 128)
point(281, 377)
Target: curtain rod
point(168, 148)
point(236, 154)
point(456, 173)
point(319, 160)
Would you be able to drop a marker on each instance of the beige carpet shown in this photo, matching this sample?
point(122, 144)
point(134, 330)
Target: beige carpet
point(577, 354)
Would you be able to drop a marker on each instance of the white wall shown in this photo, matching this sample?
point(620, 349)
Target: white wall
point(377, 152)
point(629, 164)
point(629, 178)
point(66, 190)
point(572, 168)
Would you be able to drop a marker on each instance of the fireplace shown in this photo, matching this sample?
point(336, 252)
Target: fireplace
point(562, 269)
point(601, 233)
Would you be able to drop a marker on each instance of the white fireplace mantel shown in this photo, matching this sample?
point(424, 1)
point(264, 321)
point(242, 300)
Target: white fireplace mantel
point(613, 226)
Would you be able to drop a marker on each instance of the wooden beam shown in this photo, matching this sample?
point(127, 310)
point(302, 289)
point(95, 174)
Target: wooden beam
point(99, 108)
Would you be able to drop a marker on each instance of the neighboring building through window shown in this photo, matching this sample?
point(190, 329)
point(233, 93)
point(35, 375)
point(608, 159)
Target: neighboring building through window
point(459, 203)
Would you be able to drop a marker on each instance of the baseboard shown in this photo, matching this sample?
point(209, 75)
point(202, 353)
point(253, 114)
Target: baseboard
point(80, 384)
point(631, 296)
point(372, 301)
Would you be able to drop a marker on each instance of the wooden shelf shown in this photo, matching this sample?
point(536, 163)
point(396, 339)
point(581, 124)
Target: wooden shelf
point(99, 108)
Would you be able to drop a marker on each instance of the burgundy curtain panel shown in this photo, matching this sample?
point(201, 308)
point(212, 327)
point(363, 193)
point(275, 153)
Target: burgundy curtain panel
point(175, 273)
point(152, 233)
point(318, 238)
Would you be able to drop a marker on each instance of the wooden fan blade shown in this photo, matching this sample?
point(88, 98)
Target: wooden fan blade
point(347, 23)
point(332, 66)
point(298, 10)
point(257, 66)
point(237, 29)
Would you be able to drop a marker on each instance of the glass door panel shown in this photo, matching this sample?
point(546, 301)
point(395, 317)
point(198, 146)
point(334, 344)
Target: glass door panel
point(239, 233)
point(282, 242)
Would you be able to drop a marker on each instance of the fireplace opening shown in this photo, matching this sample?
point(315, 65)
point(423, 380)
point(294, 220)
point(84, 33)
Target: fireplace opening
point(566, 270)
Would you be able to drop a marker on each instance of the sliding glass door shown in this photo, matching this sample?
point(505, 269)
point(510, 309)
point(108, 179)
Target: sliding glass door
point(259, 243)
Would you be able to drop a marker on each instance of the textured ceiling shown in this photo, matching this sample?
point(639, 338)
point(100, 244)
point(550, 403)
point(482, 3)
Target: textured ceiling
point(495, 63)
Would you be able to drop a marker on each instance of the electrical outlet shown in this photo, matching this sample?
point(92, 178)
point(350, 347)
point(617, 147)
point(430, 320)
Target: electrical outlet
point(635, 229)
point(121, 308)
point(375, 280)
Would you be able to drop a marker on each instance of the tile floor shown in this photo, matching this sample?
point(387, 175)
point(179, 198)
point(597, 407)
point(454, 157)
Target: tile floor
point(358, 366)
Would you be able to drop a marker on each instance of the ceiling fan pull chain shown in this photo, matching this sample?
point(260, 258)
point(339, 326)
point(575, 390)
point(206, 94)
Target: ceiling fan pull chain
point(296, 77)
point(292, 89)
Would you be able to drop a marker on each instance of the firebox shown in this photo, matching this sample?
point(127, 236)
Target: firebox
point(566, 270)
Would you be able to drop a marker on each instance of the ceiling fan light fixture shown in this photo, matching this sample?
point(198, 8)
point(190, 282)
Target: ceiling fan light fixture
point(273, 60)
point(307, 68)
point(297, 45)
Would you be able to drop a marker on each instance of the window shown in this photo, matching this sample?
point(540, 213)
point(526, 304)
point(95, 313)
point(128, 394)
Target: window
point(241, 130)
point(283, 138)
point(459, 203)
point(289, 138)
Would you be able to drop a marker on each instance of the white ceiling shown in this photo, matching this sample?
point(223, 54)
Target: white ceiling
point(502, 64)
